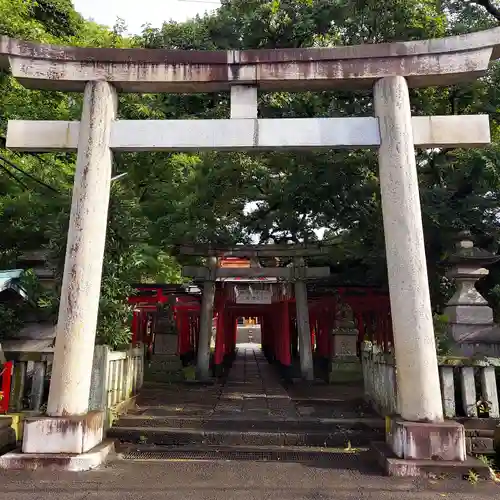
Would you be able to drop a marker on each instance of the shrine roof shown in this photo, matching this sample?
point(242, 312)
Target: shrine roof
point(441, 62)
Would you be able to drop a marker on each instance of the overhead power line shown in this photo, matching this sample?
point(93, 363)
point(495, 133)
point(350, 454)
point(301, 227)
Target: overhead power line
point(27, 174)
point(11, 175)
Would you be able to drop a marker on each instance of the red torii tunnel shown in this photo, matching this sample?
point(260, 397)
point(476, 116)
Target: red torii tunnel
point(279, 338)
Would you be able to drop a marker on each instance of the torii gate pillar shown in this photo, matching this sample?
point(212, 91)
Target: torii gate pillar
point(303, 326)
point(422, 434)
point(70, 425)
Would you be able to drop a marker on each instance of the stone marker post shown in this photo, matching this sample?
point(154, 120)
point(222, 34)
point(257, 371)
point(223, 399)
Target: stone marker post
point(303, 327)
point(206, 317)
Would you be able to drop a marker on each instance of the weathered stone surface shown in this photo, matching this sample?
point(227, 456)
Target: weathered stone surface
point(414, 342)
point(245, 134)
point(394, 466)
point(425, 63)
point(346, 369)
point(345, 342)
point(496, 441)
point(428, 441)
point(76, 326)
point(480, 445)
point(470, 317)
point(243, 101)
point(92, 459)
point(63, 434)
point(303, 326)
point(206, 315)
point(468, 388)
point(448, 390)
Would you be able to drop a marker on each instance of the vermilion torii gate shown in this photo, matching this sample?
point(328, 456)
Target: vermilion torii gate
point(388, 69)
point(297, 274)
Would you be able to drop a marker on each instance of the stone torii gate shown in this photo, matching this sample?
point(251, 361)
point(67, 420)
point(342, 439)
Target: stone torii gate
point(388, 69)
point(297, 274)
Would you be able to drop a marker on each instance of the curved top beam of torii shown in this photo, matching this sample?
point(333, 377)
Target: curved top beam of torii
point(435, 62)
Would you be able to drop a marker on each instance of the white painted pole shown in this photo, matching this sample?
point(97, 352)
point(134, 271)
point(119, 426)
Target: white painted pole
point(414, 343)
point(76, 327)
point(206, 317)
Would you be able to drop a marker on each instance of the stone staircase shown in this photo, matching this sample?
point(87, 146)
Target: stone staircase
point(250, 416)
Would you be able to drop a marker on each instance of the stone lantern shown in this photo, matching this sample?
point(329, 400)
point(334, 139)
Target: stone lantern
point(471, 322)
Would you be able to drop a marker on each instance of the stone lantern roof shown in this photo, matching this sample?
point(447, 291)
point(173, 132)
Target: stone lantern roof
point(466, 252)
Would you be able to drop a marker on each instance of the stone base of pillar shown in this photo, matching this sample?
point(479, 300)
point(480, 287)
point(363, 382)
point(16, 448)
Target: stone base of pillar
point(444, 441)
point(92, 459)
point(400, 467)
point(426, 449)
point(73, 443)
point(72, 434)
point(345, 369)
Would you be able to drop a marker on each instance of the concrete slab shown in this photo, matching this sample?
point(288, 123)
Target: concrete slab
point(92, 459)
point(394, 466)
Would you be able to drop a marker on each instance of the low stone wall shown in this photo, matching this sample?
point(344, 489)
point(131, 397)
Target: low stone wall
point(117, 376)
point(465, 384)
point(379, 376)
point(469, 391)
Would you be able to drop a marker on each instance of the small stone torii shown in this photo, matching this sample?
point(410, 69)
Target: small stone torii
point(297, 274)
point(388, 69)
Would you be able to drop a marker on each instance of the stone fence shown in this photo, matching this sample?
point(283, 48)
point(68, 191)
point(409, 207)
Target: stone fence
point(469, 386)
point(117, 376)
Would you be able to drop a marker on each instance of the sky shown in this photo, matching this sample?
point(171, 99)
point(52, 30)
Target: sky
point(136, 13)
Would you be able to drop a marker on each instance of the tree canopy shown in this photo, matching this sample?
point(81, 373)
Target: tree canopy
point(229, 198)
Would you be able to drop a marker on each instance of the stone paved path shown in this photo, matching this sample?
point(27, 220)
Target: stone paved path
point(253, 391)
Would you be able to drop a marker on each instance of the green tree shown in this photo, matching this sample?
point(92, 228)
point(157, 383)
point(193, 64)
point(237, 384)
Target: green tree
point(35, 190)
point(294, 194)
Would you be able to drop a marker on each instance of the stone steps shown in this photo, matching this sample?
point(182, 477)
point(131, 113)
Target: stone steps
point(338, 435)
point(257, 423)
point(249, 415)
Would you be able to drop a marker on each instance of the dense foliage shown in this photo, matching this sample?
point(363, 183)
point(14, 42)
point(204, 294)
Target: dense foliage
point(232, 197)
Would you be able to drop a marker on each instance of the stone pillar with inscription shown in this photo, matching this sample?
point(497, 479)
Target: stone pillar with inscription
point(346, 365)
